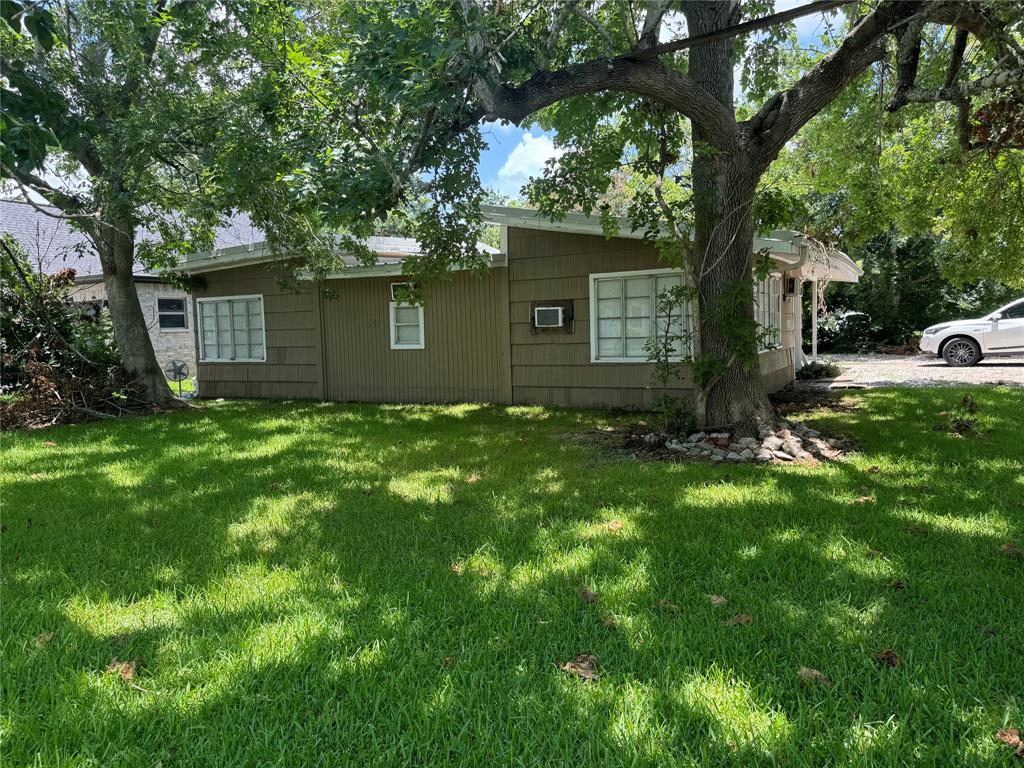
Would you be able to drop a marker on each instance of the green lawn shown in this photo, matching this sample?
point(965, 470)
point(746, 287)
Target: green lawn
point(313, 584)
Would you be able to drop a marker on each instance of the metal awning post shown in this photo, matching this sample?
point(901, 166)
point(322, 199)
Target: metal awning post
point(814, 320)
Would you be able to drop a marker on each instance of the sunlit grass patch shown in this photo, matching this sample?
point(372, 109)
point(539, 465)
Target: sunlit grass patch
point(308, 583)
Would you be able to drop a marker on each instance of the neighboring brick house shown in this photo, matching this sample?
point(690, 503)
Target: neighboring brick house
point(52, 245)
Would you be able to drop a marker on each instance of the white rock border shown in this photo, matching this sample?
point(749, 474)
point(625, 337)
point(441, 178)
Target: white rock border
point(790, 442)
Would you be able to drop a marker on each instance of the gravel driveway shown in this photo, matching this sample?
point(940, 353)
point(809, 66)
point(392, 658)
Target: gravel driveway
point(922, 371)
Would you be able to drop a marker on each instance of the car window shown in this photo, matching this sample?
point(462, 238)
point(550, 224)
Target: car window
point(1015, 312)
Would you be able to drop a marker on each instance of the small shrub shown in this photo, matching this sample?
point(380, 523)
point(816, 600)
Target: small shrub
point(677, 416)
point(960, 420)
point(823, 369)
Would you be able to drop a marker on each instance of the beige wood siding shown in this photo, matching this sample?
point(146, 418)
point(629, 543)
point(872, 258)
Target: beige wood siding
point(292, 321)
point(465, 329)
point(555, 368)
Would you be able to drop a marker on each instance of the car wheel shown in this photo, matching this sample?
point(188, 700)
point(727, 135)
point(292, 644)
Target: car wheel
point(961, 351)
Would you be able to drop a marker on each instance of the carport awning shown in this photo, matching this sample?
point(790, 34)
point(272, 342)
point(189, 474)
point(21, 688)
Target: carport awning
point(830, 265)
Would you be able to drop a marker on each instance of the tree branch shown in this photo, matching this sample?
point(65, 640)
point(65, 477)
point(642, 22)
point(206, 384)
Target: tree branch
point(652, 24)
point(787, 112)
point(956, 60)
point(956, 93)
point(69, 204)
point(650, 79)
point(735, 30)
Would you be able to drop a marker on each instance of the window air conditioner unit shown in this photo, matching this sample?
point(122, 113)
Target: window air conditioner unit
point(548, 317)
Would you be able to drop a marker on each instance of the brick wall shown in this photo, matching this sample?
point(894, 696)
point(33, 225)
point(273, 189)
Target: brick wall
point(168, 343)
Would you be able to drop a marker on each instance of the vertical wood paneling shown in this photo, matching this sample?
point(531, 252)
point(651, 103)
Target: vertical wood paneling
point(465, 354)
point(294, 351)
point(556, 368)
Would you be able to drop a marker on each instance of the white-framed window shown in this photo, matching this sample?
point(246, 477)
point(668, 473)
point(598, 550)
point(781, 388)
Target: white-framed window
point(231, 329)
point(171, 314)
point(768, 310)
point(624, 315)
point(406, 325)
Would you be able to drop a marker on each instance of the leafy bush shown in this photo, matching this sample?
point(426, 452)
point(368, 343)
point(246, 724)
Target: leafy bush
point(59, 363)
point(823, 369)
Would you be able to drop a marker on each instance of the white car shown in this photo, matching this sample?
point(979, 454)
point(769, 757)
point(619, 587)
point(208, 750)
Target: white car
point(965, 342)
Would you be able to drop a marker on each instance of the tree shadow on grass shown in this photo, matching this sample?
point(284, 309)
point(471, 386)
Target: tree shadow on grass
point(382, 585)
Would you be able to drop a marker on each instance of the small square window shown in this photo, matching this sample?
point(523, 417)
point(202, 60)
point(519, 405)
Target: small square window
point(171, 313)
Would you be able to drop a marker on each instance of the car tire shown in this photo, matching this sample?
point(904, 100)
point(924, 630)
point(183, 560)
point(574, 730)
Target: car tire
point(961, 351)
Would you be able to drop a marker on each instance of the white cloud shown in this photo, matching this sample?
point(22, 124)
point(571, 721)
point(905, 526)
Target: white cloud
point(526, 160)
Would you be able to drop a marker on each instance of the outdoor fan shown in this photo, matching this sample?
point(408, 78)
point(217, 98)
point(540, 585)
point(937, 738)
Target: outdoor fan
point(176, 370)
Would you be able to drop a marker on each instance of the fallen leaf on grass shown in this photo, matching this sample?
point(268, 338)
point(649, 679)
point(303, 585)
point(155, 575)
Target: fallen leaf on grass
point(583, 666)
point(739, 618)
point(668, 606)
point(609, 621)
point(587, 595)
point(896, 584)
point(864, 500)
point(125, 669)
point(1011, 738)
point(614, 525)
point(1012, 551)
point(43, 639)
point(49, 444)
point(874, 554)
point(811, 675)
point(717, 600)
point(473, 478)
point(457, 569)
point(873, 470)
point(889, 658)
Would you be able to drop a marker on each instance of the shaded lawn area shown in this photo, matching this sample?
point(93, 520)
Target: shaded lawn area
point(321, 584)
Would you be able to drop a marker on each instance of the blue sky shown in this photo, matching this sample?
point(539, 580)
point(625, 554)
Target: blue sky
point(514, 154)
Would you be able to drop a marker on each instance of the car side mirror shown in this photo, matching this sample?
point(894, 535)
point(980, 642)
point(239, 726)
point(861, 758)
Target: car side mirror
point(996, 317)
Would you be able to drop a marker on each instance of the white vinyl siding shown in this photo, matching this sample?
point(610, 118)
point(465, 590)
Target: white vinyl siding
point(406, 326)
point(231, 329)
point(624, 314)
point(768, 309)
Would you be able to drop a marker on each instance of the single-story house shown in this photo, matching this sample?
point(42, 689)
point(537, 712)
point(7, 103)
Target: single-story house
point(561, 317)
point(52, 245)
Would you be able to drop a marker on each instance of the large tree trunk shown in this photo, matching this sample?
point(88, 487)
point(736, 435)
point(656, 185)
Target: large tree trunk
point(727, 374)
point(116, 247)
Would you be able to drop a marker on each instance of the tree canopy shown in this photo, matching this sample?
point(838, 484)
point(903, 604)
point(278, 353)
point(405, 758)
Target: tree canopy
point(125, 117)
